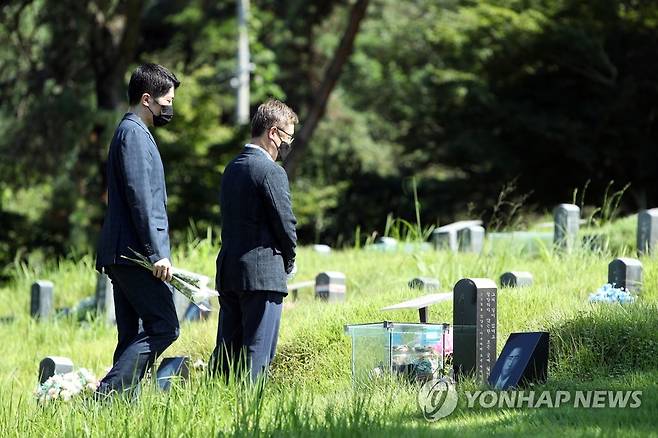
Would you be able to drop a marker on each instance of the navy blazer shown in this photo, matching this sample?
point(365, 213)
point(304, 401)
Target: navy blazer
point(136, 215)
point(258, 225)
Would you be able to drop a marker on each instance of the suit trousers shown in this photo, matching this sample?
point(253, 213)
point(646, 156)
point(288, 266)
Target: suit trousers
point(247, 333)
point(138, 295)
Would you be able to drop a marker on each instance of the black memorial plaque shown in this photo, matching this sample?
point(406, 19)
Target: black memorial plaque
point(523, 361)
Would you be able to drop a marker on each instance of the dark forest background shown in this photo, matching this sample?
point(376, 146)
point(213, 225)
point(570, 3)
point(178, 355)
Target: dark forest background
point(463, 100)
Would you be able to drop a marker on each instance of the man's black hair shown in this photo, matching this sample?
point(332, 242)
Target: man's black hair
point(153, 79)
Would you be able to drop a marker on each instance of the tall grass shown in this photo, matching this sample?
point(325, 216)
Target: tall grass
point(310, 391)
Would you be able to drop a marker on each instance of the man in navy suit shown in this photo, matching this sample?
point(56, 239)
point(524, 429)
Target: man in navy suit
point(136, 218)
point(258, 245)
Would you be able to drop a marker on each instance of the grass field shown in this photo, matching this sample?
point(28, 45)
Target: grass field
point(603, 347)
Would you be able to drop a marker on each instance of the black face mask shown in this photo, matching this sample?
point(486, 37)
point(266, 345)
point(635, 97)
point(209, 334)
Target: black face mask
point(165, 116)
point(284, 149)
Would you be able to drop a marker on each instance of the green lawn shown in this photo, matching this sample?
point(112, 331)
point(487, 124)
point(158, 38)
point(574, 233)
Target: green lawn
point(604, 347)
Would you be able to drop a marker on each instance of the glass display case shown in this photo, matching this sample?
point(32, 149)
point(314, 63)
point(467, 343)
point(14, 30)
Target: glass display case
point(415, 350)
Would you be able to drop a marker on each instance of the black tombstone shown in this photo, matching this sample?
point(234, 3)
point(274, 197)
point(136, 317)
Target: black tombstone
point(647, 231)
point(52, 365)
point(426, 284)
point(516, 279)
point(474, 320)
point(42, 299)
point(627, 273)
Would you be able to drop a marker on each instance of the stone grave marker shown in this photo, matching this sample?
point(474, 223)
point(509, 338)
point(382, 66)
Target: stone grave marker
point(194, 313)
point(330, 286)
point(516, 279)
point(627, 273)
point(52, 365)
point(445, 236)
point(647, 231)
point(426, 284)
point(42, 299)
point(471, 239)
point(474, 321)
point(567, 221)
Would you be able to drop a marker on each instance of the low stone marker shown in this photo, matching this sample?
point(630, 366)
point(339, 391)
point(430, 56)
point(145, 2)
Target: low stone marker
point(567, 221)
point(42, 299)
point(445, 237)
point(647, 231)
point(474, 321)
point(627, 273)
point(330, 286)
point(52, 365)
point(172, 368)
point(516, 279)
point(426, 284)
point(422, 304)
point(471, 239)
point(194, 313)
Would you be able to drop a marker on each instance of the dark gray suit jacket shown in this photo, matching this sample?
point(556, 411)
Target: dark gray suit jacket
point(258, 225)
point(136, 215)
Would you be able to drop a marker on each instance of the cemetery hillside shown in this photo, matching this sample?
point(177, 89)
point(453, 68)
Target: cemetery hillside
point(331, 218)
point(593, 346)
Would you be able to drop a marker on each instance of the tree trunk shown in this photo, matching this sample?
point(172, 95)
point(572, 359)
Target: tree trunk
point(341, 55)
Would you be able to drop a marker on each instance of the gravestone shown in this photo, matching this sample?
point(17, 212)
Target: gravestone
point(647, 231)
point(566, 219)
point(426, 284)
point(52, 365)
point(627, 273)
point(105, 298)
point(474, 320)
point(172, 368)
point(516, 279)
point(42, 299)
point(194, 313)
point(471, 239)
point(445, 239)
point(330, 286)
point(446, 236)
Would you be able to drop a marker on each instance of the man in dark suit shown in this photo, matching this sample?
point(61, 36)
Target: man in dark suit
point(258, 245)
point(136, 218)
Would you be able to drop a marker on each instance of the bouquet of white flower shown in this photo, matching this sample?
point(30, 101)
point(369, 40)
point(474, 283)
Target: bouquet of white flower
point(66, 386)
point(193, 286)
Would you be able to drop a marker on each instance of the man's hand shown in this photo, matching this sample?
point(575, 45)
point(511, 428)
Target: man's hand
point(162, 269)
